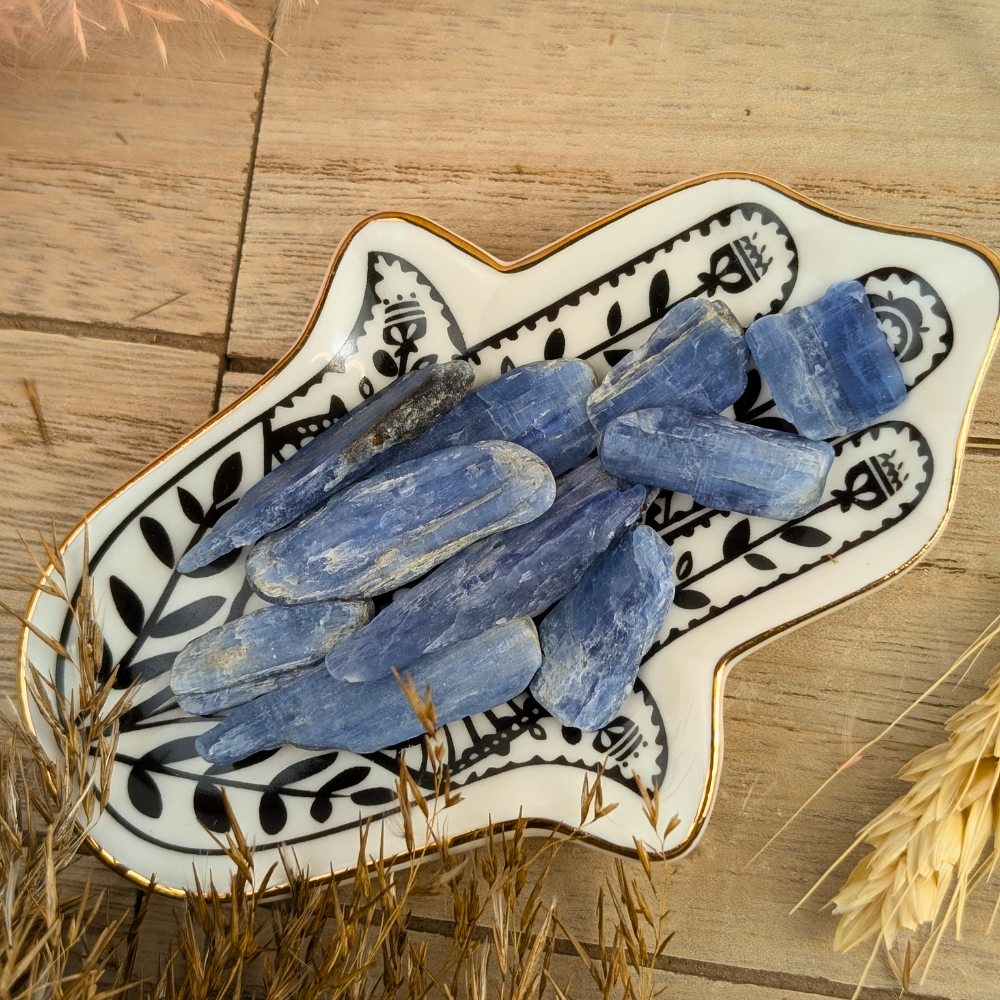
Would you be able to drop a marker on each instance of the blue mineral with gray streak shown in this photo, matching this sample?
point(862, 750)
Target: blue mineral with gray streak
point(541, 406)
point(721, 463)
point(695, 358)
point(252, 655)
point(318, 712)
point(830, 368)
point(344, 453)
point(521, 571)
point(387, 530)
point(594, 639)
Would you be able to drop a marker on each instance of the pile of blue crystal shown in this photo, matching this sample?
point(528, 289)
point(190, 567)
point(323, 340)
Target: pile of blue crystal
point(506, 524)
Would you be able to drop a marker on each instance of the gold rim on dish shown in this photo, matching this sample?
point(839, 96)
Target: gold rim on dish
point(721, 668)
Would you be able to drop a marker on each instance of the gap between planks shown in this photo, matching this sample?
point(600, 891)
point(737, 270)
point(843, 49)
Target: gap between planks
point(697, 969)
point(209, 344)
point(224, 361)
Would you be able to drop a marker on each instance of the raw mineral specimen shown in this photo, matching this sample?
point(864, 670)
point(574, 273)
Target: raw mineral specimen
point(389, 529)
point(721, 463)
point(317, 711)
point(254, 654)
point(695, 358)
point(519, 572)
point(830, 368)
point(337, 457)
point(594, 639)
point(541, 406)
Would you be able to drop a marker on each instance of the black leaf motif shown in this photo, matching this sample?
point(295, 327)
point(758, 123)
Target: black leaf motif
point(426, 361)
point(758, 561)
point(337, 407)
point(744, 404)
point(128, 605)
point(506, 365)
point(373, 796)
point(217, 566)
point(366, 388)
point(571, 735)
point(149, 668)
point(690, 600)
point(170, 752)
point(659, 294)
point(190, 616)
point(210, 808)
point(737, 540)
point(151, 706)
point(227, 478)
point(802, 534)
point(143, 793)
point(346, 779)
point(158, 540)
point(384, 363)
point(272, 812)
point(107, 665)
point(254, 758)
point(322, 806)
point(189, 505)
point(555, 345)
point(615, 354)
point(775, 424)
point(321, 809)
point(302, 769)
point(614, 319)
point(216, 511)
point(684, 566)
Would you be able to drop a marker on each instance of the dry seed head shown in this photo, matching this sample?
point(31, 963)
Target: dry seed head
point(927, 844)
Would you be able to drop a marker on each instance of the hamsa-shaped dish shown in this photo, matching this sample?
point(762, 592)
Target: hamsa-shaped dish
point(402, 293)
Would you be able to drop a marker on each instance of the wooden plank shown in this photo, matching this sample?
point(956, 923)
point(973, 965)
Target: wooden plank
point(122, 184)
point(515, 123)
point(109, 409)
point(793, 712)
point(234, 384)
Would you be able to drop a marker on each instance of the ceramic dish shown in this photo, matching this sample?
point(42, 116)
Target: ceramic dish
point(400, 293)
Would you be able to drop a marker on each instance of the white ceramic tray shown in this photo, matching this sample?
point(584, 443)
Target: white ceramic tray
point(402, 292)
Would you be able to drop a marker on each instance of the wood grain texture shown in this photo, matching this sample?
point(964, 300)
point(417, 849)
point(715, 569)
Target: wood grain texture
point(513, 123)
point(796, 710)
point(122, 185)
point(109, 409)
point(234, 384)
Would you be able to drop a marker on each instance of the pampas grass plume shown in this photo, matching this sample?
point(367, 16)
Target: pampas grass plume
point(33, 27)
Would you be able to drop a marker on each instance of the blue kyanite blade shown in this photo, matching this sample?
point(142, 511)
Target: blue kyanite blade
point(521, 571)
point(541, 406)
point(830, 369)
point(255, 654)
point(721, 463)
point(340, 455)
point(594, 639)
point(388, 530)
point(696, 358)
point(317, 711)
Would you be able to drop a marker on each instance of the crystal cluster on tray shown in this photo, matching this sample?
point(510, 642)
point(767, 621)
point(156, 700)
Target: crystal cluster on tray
point(522, 557)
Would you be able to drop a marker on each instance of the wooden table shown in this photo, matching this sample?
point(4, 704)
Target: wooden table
point(163, 235)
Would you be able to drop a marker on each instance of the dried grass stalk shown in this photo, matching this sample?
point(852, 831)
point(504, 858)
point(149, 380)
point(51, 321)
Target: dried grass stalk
point(326, 937)
point(54, 943)
point(28, 27)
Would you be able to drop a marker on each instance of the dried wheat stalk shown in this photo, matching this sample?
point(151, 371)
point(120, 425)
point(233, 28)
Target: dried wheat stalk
point(928, 844)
